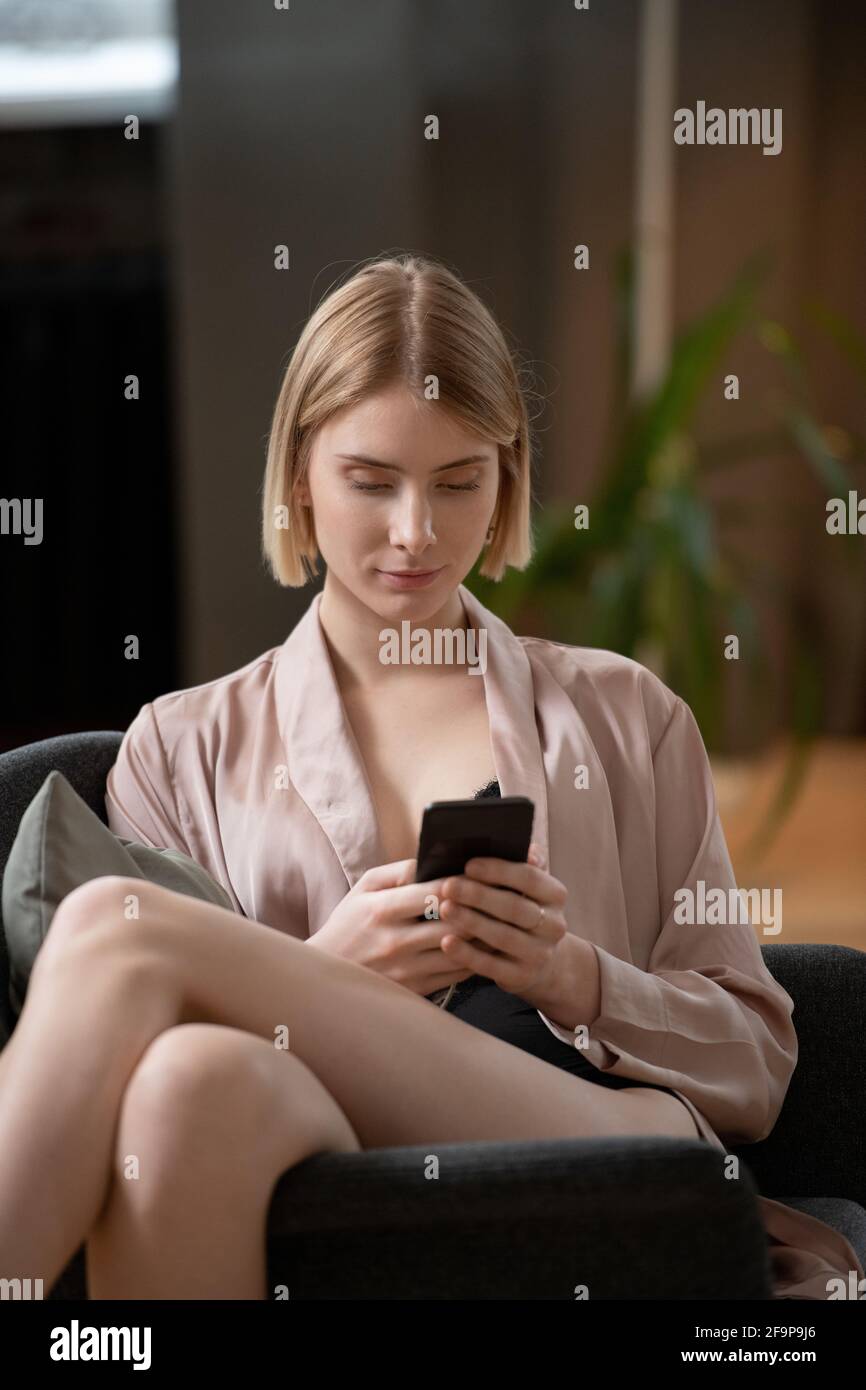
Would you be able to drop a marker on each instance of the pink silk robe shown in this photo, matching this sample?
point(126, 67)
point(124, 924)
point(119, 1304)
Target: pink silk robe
point(257, 777)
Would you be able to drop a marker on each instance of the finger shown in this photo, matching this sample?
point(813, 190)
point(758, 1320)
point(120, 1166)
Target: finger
point(520, 877)
point(390, 875)
point(474, 941)
point(507, 940)
point(424, 941)
point(440, 970)
point(413, 900)
point(508, 906)
point(473, 958)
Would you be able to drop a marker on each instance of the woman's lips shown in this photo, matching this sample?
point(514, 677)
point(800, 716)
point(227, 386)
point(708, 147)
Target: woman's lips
point(412, 580)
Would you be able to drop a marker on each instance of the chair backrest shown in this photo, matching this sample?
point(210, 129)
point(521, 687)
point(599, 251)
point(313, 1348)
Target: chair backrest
point(85, 760)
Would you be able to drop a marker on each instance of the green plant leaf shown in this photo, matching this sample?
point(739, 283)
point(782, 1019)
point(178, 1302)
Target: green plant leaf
point(809, 438)
point(841, 330)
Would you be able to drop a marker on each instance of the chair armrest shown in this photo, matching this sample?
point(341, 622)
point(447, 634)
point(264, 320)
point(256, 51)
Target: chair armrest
point(817, 1147)
point(644, 1217)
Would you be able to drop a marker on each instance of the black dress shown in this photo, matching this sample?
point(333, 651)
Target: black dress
point(483, 1004)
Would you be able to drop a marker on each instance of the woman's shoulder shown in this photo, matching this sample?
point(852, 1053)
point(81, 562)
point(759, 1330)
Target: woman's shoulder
point(210, 704)
point(606, 683)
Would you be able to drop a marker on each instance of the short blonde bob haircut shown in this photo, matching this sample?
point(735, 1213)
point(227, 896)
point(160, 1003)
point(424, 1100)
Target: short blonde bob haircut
point(403, 318)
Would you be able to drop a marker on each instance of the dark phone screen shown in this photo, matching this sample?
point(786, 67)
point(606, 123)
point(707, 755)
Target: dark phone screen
point(453, 832)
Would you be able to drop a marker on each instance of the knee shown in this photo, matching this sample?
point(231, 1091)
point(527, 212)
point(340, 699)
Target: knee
point(203, 1093)
point(107, 925)
point(104, 912)
point(209, 1104)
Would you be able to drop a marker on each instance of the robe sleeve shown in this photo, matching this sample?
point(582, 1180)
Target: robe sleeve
point(140, 798)
point(706, 1018)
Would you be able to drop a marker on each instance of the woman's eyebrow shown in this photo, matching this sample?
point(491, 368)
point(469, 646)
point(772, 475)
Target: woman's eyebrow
point(377, 463)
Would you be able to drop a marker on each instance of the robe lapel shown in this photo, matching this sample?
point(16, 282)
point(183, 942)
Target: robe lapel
point(514, 741)
point(324, 761)
point(539, 739)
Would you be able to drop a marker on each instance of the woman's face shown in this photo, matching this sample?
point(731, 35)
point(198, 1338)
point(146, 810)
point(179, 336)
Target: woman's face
point(423, 500)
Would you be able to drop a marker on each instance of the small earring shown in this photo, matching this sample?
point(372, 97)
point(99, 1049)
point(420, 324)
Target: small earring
point(489, 534)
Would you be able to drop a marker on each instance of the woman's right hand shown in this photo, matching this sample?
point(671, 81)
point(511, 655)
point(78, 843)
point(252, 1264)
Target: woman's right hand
point(376, 924)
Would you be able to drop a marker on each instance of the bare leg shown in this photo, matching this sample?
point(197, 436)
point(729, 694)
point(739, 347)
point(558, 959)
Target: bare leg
point(401, 1070)
point(210, 1120)
point(92, 1008)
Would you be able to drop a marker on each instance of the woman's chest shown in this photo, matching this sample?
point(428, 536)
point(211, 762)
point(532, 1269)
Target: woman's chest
point(425, 745)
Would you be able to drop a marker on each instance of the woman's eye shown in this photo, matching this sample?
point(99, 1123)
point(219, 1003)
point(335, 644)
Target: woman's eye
point(449, 487)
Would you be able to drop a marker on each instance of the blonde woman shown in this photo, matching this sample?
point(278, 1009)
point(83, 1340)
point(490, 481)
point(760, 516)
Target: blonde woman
point(220, 1048)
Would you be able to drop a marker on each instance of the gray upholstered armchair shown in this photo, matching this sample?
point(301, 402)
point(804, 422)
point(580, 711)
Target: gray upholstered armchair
point(630, 1218)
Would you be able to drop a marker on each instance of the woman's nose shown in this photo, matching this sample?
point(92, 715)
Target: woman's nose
point(413, 525)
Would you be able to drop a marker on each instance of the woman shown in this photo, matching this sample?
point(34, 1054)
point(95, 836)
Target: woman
point(399, 449)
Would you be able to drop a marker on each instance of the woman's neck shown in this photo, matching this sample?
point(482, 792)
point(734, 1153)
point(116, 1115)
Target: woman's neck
point(355, 634)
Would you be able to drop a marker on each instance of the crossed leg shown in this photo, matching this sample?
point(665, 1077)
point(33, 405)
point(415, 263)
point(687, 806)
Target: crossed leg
point(398, 1070)
point(208, 1123)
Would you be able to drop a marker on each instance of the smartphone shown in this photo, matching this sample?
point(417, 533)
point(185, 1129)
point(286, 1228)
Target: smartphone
point(453, 832)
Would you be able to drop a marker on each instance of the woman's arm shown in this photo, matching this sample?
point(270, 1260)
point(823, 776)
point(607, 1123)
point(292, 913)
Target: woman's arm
point(572, 995)
point(140, 799)
point(706, 1017)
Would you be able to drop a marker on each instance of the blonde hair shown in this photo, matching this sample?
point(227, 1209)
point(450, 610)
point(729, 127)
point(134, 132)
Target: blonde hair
point(397, 319)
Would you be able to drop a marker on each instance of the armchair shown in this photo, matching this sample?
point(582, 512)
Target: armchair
point(638, 1218)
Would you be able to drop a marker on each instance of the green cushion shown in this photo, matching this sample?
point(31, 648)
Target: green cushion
point(62, 843)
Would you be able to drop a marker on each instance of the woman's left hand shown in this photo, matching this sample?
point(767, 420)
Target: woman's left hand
point(501, 932)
